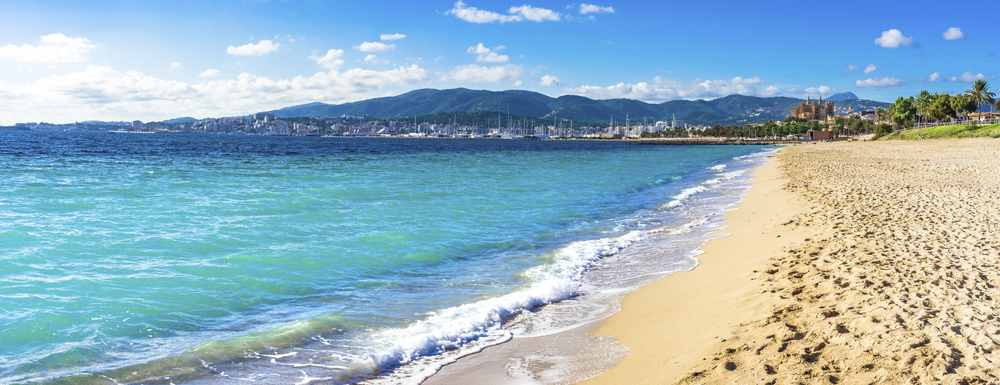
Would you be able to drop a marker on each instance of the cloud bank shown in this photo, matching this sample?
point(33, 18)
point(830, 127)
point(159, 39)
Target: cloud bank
point(102, 93)
point(661, 89)
point(54, 48)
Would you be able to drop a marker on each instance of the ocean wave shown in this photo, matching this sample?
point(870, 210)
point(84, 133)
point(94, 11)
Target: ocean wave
point(456, 327)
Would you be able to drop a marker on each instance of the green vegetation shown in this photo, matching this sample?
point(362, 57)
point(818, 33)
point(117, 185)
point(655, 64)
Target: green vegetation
point(953, 131)
point(941, 106)
point(795, 127)
point(729, 110)
point(980, 93)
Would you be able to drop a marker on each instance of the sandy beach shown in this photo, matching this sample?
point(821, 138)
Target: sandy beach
point(859, 263)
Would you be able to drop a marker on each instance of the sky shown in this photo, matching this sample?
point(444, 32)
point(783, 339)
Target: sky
point(67, 61)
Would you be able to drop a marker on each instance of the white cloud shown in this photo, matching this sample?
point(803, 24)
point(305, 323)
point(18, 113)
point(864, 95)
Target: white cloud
point(54, 48)
point(590, 8)
point(478, 16)
point(851, 67)
point(660, 89)
point(535, 14)
point(869, 69)
point(492, 57)
point(500, 48)
point(934, 77)
point(953, 34)
point(893, 39)
point(210, 73)
point(395, 36)
point(479, 49)
point(174, 65)
point(968, 77)
point(882, 82)
point(518, 83)
point(99, 92)
point(549, 80)
point(375, 60)
point(481, 74)
point(331, 60)
point(821, 90)
point(375, 47)
point(254, 49)
point(524, 12)
point(487, 56)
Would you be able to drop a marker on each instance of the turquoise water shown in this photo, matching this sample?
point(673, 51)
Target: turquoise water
point(174, 258)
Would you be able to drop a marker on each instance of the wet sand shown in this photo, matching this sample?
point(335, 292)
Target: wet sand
point(859, 263)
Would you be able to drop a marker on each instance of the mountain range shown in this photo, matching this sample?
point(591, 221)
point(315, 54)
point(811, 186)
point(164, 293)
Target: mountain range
point(732, 109)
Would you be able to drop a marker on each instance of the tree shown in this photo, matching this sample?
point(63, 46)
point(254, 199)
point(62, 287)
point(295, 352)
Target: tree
point(924, 102)
point(839, 123)
point(857, 125)
point(903, 109)
point(943, 108)
point(882, 114)
point(980, 94)
point(963, 104)
point(881, 129)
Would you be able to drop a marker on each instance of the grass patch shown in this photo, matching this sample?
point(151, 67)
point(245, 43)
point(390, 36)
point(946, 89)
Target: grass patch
point(943, 132)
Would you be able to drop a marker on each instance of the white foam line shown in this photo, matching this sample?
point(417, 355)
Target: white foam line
point(279, 356)
point(455, 327)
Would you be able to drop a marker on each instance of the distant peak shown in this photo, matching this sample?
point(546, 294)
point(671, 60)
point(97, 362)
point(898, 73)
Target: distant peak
point(842, 96)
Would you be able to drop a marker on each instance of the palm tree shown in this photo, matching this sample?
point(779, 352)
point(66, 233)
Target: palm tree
point(924, 102)
point(980, 93)
point(882, 114)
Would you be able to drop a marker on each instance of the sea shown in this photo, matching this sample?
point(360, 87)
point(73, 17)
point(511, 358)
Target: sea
point(225, 259)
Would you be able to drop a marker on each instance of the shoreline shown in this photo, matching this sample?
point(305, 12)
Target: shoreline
point(885, 272)
point(580, 353)
point(671, 325)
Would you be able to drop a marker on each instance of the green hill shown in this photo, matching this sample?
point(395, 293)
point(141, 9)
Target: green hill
point(732, 109)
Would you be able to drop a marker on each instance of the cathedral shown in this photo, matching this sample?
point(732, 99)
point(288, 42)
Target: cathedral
point(813, 110)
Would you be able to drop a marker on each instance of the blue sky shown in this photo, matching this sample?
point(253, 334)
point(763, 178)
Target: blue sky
point(65, 61)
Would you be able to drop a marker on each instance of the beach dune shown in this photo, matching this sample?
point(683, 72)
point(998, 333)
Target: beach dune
point(863, 262)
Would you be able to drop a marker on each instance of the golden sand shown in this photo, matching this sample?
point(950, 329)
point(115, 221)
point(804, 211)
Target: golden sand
point(854, 263)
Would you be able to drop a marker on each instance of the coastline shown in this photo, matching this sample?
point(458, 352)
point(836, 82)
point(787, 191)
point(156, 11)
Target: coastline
point(671, 325)
point(885, 272)
point(577, 354)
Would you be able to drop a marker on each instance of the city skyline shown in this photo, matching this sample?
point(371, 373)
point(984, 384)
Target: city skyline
point(111, 60)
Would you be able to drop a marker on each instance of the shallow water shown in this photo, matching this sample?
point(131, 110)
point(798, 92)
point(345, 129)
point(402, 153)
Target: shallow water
point(216, 259)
